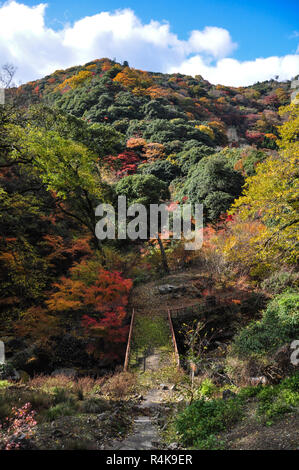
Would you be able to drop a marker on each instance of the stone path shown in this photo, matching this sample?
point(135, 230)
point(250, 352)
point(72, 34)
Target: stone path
point(144, 435)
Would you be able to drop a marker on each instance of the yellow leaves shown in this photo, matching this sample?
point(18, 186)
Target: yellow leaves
point(76, 80)
point(272, 195)
point(154, 151)
point(64, 298)
point(206, 130)
point(91, 67)
point(218, 125)
point(289, 131)
point(136, 80)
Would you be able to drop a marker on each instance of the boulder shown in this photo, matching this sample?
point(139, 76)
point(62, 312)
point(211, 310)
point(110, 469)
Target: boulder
point(166, 289)
point(282, 357)
point(7, 372)
point(173, 446)
point(164, 387)
point(262, 380)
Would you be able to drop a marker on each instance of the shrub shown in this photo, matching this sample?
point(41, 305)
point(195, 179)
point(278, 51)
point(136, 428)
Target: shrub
point(62, 409)
point(94, 405)
point(119, 385)
point(163, 170)
point(20, 425)
point(279, 399)
point(38, 400)
point(279, 325)
point(198, 423)
point(5, 410)
point(207, 388)
point(48, 382)
point(61, 395)
point(280, 281)
point(4, 384)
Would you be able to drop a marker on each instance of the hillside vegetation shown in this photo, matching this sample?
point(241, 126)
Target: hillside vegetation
point(86, 135)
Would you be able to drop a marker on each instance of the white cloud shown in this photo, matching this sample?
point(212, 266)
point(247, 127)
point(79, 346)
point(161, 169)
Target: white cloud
point(232, 72)
point(215, 41)
point(38, 50)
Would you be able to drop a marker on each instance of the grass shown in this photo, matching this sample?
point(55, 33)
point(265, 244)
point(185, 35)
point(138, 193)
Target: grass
point(62, 409)
point(149, 333)
point(4, 384)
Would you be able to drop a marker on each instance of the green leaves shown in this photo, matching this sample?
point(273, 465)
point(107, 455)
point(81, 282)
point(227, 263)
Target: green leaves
point(143, 189)
point(214, 183)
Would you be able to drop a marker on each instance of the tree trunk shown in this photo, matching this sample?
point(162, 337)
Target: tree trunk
point(163, 255)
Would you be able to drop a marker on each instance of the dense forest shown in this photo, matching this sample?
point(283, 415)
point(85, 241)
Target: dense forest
point(88, 134)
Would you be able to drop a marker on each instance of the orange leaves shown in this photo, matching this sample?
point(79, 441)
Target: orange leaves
point(157, 92)
point(135, 80)
point(68, 295)
point(37, 323)
point(60, 249)
point(136, 143)
point(97, 291)
point(154, 151)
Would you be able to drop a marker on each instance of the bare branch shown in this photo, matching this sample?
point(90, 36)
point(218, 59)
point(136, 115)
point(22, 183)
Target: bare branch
point(6, 75)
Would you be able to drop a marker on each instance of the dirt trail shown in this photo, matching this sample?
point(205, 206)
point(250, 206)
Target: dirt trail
point(144, 435)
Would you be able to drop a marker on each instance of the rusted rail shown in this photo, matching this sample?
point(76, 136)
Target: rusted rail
point(176, 352)
point(128, 350)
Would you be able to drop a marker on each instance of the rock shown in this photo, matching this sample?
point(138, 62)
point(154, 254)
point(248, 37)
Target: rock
point(7, 372)
point(282, 357)
point(173, 446)
point(64, 371)
point(166, 289)
point(262, 380)
point(227, 394)
point(164, 387)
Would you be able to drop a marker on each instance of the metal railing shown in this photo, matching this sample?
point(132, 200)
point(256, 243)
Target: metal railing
point(128, 350)
point(176, 351)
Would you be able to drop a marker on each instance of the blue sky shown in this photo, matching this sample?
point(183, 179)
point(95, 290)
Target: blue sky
point(261, 27)
point(243, 31)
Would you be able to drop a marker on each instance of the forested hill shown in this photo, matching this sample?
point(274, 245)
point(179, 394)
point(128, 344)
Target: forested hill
point(102, 130)
point(162, 108)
